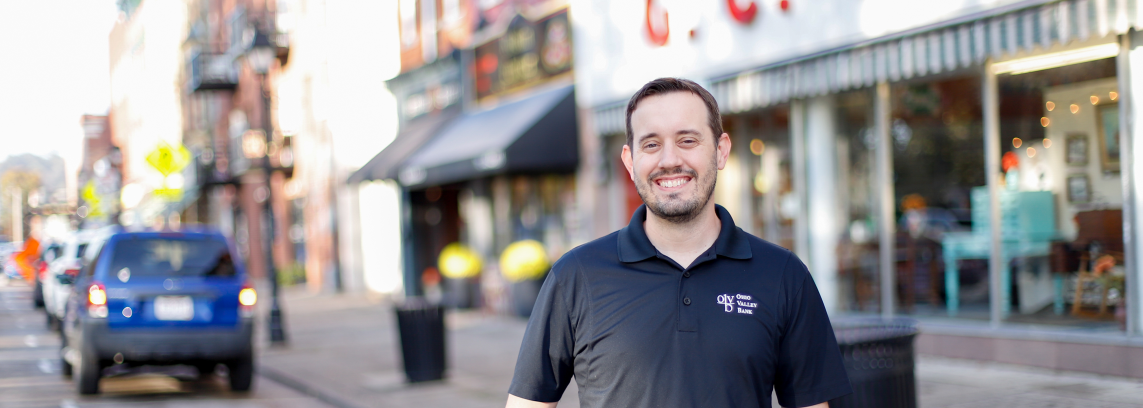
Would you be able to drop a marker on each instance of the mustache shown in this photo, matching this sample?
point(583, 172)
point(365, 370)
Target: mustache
point(672, 172)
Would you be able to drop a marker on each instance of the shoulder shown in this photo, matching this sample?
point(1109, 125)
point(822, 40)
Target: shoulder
point(603, 249)
point(599, 250)
point(791, 271)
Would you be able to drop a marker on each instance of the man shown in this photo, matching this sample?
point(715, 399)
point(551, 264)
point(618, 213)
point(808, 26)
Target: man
point(680, 308)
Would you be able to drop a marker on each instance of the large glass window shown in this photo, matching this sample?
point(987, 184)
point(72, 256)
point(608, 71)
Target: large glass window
point(774, 203)
point(942, 246)
point(857, 246)
point(1061, 196)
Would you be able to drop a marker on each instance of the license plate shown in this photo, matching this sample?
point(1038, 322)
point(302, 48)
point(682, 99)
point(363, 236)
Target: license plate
point(174, 308)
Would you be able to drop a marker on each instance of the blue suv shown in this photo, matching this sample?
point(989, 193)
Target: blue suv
point(160, 298)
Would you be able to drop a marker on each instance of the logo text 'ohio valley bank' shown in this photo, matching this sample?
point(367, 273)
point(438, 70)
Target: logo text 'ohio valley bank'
point(743, 304)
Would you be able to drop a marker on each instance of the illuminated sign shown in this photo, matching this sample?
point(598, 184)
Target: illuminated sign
point(658, 27)
point(529, 52)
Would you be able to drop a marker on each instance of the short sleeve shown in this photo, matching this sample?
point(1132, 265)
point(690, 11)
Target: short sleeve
point(545, 364)
point(810, 369)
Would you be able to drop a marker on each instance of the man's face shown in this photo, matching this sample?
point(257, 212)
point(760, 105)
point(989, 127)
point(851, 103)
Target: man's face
point(674, 159)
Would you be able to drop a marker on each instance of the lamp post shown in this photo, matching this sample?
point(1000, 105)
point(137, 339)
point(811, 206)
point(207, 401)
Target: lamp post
point(259, 56)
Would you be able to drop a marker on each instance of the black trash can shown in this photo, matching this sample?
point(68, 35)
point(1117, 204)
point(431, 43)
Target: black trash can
point(879, 360)
point(422, 331)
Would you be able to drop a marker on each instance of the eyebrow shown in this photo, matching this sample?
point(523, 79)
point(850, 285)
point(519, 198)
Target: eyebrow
point(681, 132)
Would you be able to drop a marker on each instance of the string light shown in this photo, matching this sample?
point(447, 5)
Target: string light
point(1114, 95)
point(1044, 121)
point(757, 147)
point(1094, 99)
point(1031, 152)
point(1047, 143)
point(1074, 108)
point(1016, 142)
point(1052, 105)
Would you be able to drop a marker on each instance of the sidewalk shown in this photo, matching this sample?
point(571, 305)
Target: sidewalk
point(344, 350)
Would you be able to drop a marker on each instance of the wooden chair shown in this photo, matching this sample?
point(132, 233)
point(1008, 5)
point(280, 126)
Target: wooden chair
point(1084, 277)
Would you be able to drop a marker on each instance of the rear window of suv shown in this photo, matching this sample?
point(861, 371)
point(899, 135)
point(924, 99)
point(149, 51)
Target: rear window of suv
point(172, 257)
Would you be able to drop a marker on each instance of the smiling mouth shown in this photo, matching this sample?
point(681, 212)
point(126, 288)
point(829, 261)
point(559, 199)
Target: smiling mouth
point(674, 182)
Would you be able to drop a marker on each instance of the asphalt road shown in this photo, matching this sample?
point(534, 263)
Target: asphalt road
point(30, 372)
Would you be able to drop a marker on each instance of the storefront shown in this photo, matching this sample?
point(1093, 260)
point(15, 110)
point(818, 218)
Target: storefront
point(892, 153)
point(486, 155)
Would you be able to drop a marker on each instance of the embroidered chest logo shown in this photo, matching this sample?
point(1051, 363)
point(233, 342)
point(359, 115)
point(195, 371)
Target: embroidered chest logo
point(743, 304)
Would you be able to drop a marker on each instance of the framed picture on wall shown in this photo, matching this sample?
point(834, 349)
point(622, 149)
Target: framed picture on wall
point(1107, 122)
point(1075, 149)
point(1079, 188)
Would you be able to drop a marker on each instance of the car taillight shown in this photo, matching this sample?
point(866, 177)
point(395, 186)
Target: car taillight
point(247, 297)
point(97, 300)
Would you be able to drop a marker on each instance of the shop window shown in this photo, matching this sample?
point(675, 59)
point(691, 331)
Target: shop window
point(1062, 197)
point(858, 244)
point(775, 204)
point(941, 248)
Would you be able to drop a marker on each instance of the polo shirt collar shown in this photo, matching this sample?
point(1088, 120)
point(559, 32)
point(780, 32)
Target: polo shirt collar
point(634, 246)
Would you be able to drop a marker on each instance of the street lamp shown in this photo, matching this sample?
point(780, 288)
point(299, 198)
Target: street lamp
point(259, 56)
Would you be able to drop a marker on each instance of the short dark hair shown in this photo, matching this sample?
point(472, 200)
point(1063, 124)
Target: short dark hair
point(668, 85)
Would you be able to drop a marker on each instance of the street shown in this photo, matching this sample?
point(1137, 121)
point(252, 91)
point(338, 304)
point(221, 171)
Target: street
point(30, 372)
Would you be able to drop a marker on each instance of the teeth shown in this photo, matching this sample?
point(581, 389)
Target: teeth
point(673, 183)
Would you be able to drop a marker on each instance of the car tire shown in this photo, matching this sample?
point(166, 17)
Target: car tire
point(38, 295)
point(241, 372)
point(65, 367)
point(90, 368)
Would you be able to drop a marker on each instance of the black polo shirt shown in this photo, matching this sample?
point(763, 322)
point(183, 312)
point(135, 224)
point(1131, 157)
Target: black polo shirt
point(636, 329)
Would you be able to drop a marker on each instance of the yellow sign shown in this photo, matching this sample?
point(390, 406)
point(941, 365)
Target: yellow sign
point(92, 199)
point(169, 159)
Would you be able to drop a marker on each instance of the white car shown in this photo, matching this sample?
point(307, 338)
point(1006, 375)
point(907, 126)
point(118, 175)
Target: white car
point(63, 269)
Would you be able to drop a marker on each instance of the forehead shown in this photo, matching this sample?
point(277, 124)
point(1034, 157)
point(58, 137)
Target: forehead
point(669, 113)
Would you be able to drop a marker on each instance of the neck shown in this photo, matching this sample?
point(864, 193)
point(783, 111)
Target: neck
point(683, 242)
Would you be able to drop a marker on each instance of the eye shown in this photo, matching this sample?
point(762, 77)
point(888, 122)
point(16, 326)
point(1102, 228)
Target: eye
point(651, 146)
point(688, 142)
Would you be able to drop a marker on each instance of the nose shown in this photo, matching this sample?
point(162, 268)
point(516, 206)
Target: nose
point(670, 157)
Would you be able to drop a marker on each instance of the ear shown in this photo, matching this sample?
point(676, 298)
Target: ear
point(723, 150)
point(626, 157)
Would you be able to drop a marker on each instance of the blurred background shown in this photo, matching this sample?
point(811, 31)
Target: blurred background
point(965, 163)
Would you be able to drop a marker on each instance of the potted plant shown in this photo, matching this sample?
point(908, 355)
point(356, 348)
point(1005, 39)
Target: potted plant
point(524, 264)
point(461, 268)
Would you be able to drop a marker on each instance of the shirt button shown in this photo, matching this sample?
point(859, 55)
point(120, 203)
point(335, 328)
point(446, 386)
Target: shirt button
point(686, 274)
point(687, 301)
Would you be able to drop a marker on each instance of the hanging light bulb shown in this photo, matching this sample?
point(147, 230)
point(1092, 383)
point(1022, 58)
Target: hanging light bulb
point(1050, 105)
point(1044, 121)
point(1074, 108)
point(1114, 95)
point(1016, 142)
point(1094, 99)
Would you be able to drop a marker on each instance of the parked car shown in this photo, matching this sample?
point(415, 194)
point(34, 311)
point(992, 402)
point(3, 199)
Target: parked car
point(47, 253)
point(160, 298)
point(63, 270)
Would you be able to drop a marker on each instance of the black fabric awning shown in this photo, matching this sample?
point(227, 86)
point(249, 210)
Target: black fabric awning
point(531, 135)
point(414, 135)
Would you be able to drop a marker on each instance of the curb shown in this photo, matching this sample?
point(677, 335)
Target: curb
point(300, 386)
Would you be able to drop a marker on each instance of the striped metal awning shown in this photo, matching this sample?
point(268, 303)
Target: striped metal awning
point(953, 45)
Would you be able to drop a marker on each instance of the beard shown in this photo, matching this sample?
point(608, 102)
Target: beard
point(672, 207)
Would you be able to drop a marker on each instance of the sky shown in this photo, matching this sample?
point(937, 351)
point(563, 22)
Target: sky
point(55, 70)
